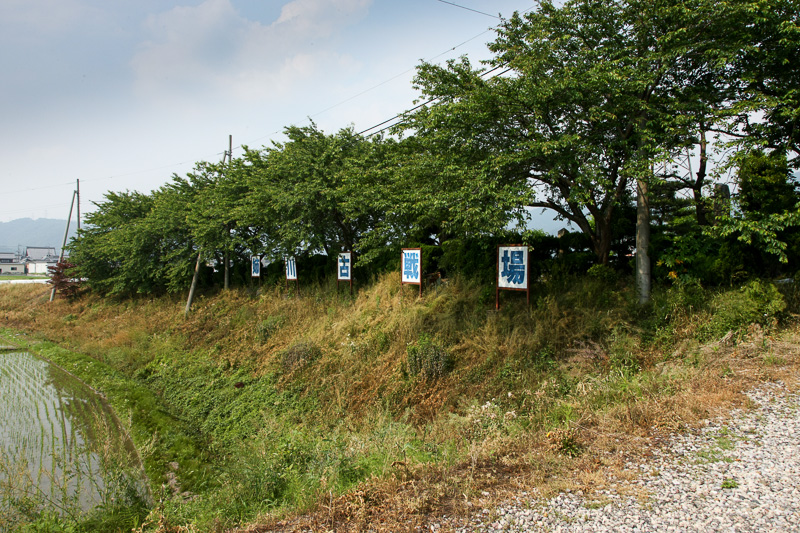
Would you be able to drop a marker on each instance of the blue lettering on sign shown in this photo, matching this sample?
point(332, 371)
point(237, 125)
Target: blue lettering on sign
point(411, 265)
point(344, 266)
point(513, 267)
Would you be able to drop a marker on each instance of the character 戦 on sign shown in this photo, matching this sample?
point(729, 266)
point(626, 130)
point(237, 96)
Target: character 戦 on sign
point(411, 271)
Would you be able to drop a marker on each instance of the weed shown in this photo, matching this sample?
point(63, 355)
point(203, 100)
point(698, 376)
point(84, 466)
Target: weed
point(428, 359)
point(564, 441)
point(268, 327)
point(315, 401)
point(729, 483)
point(771, 359)
point(299, 355)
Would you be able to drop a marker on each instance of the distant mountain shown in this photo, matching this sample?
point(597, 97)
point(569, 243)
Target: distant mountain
point(24, 232)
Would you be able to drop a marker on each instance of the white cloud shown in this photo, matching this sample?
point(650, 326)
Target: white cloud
point(211, 49)
point(320, 17)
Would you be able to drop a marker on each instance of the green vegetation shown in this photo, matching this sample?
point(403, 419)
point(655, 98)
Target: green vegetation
point(586, 110)
point(262, 404)
point(729, 483)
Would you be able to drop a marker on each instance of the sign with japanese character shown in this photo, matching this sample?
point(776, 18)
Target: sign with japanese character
point(512, 267)
point(291, 268)
point(255, 266)
point(411, 266)
point(344, 266)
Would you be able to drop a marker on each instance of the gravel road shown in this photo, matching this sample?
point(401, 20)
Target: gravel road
point(741, 473)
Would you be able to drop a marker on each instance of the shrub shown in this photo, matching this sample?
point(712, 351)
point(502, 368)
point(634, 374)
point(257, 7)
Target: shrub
point(602, 273)
point(63, 280)
point(429, 359)
point(266, 328)
point(299, 354)
point(757, 302)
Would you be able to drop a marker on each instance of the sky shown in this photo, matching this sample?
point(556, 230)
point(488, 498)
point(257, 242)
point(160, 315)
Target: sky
point(122, 94)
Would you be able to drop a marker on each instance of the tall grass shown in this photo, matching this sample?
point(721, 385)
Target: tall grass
point(297, 399)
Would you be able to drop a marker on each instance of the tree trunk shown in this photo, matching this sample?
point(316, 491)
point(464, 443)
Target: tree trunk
point(700, 178)
point(602, 241)
point(643, 276)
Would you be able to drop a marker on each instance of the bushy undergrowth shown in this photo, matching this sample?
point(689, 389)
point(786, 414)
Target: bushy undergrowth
point(757, 302)
point(428, 359)
point(291, 398)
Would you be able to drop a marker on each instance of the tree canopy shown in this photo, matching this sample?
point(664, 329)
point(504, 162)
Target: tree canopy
point(579, 103)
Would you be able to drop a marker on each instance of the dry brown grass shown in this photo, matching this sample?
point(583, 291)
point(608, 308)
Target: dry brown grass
point(416, 498)
point(358, 375)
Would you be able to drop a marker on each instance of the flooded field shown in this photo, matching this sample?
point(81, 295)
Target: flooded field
point(61, 449)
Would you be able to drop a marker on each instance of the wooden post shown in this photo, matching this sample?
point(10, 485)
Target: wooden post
point(64, 243)
point(194, 284)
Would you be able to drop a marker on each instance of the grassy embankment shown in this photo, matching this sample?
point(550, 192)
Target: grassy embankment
point(382, 408)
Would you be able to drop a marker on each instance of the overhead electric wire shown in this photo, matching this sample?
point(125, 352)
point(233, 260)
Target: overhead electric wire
point(459, 45)
point(397, 76)
point(399, 115)
point(469, 9)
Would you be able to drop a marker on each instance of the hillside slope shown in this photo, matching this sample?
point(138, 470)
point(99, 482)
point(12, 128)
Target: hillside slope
point(385, 407)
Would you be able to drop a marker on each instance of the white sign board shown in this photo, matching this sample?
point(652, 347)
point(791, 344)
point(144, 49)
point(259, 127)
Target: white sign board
point(411, 266)
point(291, 268)
point(255, 266)
point(344, 266)
point(512, 267)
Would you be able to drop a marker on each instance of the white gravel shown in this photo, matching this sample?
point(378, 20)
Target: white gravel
point(737, 474)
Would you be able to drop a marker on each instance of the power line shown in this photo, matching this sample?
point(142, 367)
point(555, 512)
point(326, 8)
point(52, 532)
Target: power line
point(470, 9)
point(459, 45)
point(397, 76)
point(45, 187)
point(400, 115)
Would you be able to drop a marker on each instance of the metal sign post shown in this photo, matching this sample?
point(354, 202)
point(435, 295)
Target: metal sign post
point(513, 271)
point(411, 268)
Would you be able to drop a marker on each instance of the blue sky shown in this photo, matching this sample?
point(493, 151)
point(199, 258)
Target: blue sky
point(121, 94)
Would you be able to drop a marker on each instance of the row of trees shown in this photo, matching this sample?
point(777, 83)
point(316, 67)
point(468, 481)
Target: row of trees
point(579, 105)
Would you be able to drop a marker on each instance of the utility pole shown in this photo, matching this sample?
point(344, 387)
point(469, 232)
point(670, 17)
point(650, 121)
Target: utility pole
point(64, 244)
point(196, 275)
point(227, 253)
point(78, 197)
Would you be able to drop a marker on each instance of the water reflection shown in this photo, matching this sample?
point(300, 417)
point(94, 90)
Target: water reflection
point(60, 446)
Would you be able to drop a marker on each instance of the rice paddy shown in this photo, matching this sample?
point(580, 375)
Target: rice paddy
point(61, 448)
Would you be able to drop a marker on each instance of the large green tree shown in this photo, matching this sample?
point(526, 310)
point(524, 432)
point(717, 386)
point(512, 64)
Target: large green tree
point(573, 115)
point(314, 193)
point(135, 243)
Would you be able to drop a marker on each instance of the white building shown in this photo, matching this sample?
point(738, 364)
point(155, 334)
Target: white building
point(11, 264)
point(38, 258)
